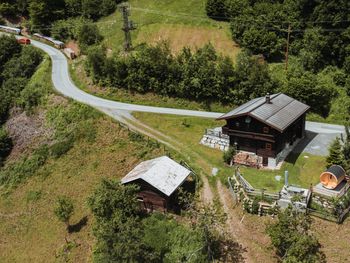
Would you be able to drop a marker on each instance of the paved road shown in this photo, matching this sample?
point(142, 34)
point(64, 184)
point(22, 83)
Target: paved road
point(319, 134)
point(63, 84)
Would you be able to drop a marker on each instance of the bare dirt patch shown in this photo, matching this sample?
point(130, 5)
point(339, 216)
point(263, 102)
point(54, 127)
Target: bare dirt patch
point(74, 46)
point(27, 131)
point(180, 36)
point(247, 230)
point(334, 239)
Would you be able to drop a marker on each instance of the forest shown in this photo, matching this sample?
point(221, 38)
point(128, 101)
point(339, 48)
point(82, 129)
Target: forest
point(17, 65)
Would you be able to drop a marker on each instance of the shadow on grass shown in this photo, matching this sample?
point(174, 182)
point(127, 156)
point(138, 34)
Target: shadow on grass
point(300, 147)
point(78, 226)
point(232, 251)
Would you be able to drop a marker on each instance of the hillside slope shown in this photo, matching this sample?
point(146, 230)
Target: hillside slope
point(182, 23)
point(100, 148)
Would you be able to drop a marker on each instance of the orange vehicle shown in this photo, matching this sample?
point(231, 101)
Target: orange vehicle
point(24, 41)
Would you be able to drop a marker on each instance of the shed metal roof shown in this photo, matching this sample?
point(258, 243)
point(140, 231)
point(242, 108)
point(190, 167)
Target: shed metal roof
point(279, 113)
point(162, 173)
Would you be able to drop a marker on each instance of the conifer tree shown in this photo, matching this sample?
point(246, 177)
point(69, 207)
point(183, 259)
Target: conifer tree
point(335, 156)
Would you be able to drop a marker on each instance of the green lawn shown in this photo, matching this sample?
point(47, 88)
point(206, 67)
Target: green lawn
point(182, 22)
point(304, 170)
point(189, 130)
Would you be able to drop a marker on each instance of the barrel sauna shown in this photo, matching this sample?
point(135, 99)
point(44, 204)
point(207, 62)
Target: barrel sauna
point(331, 178)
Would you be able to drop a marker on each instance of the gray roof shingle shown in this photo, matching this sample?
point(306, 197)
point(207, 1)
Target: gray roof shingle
point(162, 173)
point(279, 114)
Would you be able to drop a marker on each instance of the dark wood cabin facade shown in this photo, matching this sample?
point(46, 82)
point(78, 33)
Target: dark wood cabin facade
point(263, 128)
point(151, 199)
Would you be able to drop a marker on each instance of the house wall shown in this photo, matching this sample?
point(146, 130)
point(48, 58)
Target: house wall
point(260, 138)
point(151, 198)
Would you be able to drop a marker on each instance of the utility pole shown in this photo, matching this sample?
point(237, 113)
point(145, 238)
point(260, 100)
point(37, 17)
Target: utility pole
point(128, 25)
point(287, 49)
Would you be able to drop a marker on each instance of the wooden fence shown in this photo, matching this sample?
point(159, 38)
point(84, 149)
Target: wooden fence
point(251, 191)
point(232, 191)
point(329, 217)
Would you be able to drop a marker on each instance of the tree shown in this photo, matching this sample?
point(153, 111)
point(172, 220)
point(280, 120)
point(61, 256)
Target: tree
point(89, 35)
point(292, 239)
point(8, 49)
point(307, 88)
point(74, 7)
point(117, 227)
point(210, 223)
point(39, 16)
point(216, 9)
point(96, 64)
point(64, 209)
point(335, 156)
point(346, 150)
point(5, 145)
point(312, 53)
point(252, 78)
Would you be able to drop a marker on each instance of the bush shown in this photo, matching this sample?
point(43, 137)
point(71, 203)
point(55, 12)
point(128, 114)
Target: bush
point(30, 97)
point(217, 9)
point(17, 172)
point(5, 145)
point(229, 154)
point(23, 66)
point(89, 35)
point(68, 28)
point(64, 209)
point(62, 147)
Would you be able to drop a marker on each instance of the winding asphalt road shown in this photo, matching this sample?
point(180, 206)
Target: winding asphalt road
point(63, 84)
point(319, 134)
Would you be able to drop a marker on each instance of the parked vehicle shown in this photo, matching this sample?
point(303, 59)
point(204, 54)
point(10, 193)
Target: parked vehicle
point(12, 30)
point(56, 43)
point(24, 41)
point(69, 53)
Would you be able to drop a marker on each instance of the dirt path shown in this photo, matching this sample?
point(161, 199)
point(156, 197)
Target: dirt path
point(207, 195)
point(248, 234)
point(254, 242)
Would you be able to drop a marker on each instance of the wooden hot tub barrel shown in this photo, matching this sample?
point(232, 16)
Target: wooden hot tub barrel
point(331, 178)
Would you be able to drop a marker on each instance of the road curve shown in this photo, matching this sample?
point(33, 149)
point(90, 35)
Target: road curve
point(63, 84)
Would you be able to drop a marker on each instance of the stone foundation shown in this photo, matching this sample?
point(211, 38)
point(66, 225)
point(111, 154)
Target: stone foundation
point(215, 142)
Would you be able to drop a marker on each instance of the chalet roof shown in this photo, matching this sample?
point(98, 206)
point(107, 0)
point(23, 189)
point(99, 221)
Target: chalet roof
point(279, 113)
point(162, 173)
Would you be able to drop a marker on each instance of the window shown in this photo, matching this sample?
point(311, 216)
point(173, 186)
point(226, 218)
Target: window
point(268, 146)
point(266, 130)
point(237, 124)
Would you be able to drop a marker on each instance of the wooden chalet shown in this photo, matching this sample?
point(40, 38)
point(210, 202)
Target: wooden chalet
point(158, 180)
point(266, 125)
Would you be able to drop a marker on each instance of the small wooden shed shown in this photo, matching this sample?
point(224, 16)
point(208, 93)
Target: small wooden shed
point(331, 178)
point(158, 179)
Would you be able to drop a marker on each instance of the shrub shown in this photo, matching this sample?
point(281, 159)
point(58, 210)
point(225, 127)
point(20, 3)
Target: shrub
point(26, 167)
point(89, 35)
point(33, 196)
point(64, 209)
point(5, 145)
point(62, 147)
point(30, 97)
point(229, 154)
